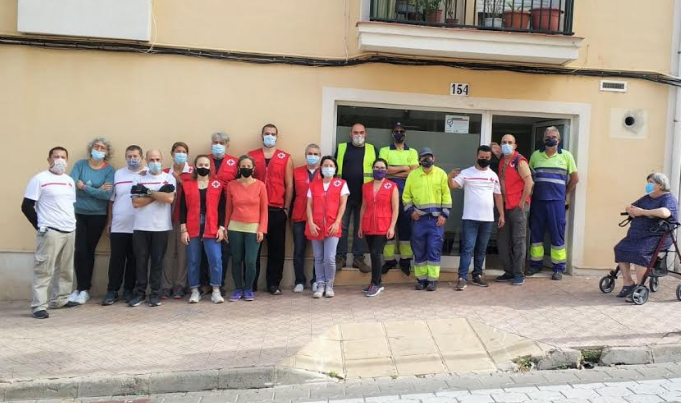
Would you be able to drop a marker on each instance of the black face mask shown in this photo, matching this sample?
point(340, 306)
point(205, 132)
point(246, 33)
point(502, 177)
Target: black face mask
point(246, 172)
point(483, 163)
point(426, 162)
point(551, 142)
point(399, 137)
point(203, 171)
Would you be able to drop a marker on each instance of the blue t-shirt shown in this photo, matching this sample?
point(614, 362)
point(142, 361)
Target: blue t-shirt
point(92, 200)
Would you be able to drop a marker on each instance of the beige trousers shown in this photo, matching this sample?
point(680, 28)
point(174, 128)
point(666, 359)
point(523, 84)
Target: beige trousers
point(53, 268)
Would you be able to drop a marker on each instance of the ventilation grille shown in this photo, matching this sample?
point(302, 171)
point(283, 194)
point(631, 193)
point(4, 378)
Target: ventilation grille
point(613, 86)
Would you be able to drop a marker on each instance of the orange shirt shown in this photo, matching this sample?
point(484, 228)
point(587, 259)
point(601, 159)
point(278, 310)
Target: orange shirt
point(247, 204)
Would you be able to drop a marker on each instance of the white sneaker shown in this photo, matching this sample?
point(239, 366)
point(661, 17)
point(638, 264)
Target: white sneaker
point(217, 298)
point(195, 297)
point(83, 297)
point(298, 288)
point(314, 287)
point(319, 292)
point(72, 297)
point(329, 291)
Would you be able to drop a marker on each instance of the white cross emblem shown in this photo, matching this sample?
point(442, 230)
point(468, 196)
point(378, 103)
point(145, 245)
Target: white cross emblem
point(337, 183)
point(281, 155)
point(387, 186)
point(231, 162)
point(215, 184)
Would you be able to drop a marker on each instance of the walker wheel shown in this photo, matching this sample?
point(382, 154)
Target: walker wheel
point(654, 284)
point(607, 284)
point(640, 295)
point(678, 292)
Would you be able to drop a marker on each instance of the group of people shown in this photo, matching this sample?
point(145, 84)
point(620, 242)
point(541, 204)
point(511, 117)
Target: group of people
point(173, 231)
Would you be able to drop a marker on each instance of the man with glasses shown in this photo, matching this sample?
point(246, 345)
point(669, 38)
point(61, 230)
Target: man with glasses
point(401, 161)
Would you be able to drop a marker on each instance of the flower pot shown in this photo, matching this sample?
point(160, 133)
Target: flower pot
point(451, 21)
point(546, 19)
point(493, 22)
point(517, 19)
point(434, 16)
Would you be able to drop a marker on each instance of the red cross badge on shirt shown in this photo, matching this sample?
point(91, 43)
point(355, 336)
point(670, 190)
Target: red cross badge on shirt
point(215, 184)
point(230, 162)
point(281, 155)
point(337, 183)
point(387, 186)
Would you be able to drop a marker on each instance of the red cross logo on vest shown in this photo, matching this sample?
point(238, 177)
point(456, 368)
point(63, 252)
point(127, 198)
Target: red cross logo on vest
point(230, 162)
point(215, 184)
point(281, 155)
point(337, 183)
point(387, 186)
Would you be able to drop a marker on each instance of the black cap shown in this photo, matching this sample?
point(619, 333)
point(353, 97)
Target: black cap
point(426, 151)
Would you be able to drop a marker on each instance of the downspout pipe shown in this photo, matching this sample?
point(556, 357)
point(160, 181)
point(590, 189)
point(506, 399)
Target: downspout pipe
point(675, 146)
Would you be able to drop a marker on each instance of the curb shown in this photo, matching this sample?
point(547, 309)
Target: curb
point(163, 382)
point(572, 358)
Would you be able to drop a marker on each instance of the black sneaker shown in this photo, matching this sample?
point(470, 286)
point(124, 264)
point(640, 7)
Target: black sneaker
point(154, 300)
point(405, 266)
point(504, 278)
point(421, 285)
point(274, 290)
point(388, 265)
point(360, 264)
point(518, 281)
point(42, 314)
point(532, 271)
point(477, 280)
point(340, 262)
point(137, 300)
point(557, 276)
point(111, 298)
point(461, 284)
point(70, 304)
point(432, 286)
point(128, 295)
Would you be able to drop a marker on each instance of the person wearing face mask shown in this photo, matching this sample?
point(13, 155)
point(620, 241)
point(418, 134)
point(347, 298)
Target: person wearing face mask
point(481, 193)
point(202, 215)
point(516, 182)
point(401, 160)
point(224, 168)
point(638, 247)
point(48, 206)
point(121, 218)
point(380, 209)
point(302, 177)
point(94, 179)
point(175, 261)
point(152, 197)
point(274, 167)
point(555, 179)
point(428, 200)
point(355, 162)
point(246, 221)
point(326, 201)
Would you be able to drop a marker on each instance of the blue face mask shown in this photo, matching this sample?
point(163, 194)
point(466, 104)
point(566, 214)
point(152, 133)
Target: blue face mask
point(180, 158)
point(269, 140)
point(97, 155)
point(650, 188)
point(312, 159)
point(218, 150)
point(328, 172)
point(507, 149)
point(154, 167)
point(133, 162)
point(551, 142)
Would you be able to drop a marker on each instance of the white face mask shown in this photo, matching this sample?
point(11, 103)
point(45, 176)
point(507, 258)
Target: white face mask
point(58, 166)
point(357, 140)
point(328, 172)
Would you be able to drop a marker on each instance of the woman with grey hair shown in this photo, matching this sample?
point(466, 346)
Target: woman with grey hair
point(94, 179)
point(638, 247)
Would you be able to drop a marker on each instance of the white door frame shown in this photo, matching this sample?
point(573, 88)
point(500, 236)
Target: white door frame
point(578, 113)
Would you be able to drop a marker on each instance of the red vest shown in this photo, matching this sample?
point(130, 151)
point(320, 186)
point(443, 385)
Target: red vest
point(378, 212)
point(513, 183)
point(228, 169)
point(325, 207)
point(272, 174)
point(301, 181)
point(184, 176)
point(193, 200)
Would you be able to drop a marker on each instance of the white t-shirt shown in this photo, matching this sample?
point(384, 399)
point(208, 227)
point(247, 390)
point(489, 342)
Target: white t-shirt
point(344, 192)
point(154, 217)
point(479, 189)
point(122, 212)
point(54, 196)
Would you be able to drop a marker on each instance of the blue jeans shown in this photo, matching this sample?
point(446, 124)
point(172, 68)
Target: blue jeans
point(300, 243)
point(213, 252)
point(351, 208)
point(475, 235)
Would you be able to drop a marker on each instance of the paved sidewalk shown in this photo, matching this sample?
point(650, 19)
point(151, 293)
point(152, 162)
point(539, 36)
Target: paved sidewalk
point(655, 383)
point(92, 339)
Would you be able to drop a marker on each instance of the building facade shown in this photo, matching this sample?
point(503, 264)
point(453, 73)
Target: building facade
point(456, 73)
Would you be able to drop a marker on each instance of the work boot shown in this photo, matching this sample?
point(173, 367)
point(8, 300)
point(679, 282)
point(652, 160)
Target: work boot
point(532, 271)
point(421, 285)
point(388, 265)
point(432, 286)
point(405, 266)
point(557, 276)
point(340, 262)
point(359, 263)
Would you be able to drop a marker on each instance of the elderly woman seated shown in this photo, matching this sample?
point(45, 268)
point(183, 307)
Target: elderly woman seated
point(638, 247)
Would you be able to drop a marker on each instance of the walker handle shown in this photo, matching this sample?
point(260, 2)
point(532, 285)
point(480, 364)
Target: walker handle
point(624, 213)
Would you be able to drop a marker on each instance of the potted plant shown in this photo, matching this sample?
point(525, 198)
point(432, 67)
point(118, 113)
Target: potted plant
point(450, 12)
point(431, 10)
point(492, 11)
point(546, 17)
point(516, 16)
